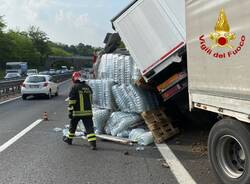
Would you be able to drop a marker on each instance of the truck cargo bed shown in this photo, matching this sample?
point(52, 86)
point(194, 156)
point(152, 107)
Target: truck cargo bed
point(153, 32)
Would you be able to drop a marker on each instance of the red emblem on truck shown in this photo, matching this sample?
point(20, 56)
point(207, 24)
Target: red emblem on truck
point(222, 35)
point(221, 39)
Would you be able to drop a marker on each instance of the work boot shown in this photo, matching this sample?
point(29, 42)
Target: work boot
point(67, 140)
point(93, 145)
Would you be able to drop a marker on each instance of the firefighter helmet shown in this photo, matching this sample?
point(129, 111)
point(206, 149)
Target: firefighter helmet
point(76, 76)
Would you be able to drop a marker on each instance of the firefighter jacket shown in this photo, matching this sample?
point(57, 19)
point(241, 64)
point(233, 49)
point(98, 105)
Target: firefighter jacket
point(80, 100)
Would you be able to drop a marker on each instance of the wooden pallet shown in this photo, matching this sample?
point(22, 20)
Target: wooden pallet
point(140, 82)
point(160, 125)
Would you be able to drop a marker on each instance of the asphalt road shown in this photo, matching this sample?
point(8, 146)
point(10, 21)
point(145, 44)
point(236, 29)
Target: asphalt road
point(41, 157)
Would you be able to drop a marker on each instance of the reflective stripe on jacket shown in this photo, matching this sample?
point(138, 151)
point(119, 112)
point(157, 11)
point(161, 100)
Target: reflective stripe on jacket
point(80, 100)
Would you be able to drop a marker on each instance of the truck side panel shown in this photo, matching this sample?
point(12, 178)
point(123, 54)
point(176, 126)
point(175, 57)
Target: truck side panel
point(218, 53)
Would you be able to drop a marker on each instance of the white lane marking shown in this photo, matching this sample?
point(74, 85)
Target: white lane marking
point(12, 99)
point(67, 99)
point(19, 135)
point(181, 174)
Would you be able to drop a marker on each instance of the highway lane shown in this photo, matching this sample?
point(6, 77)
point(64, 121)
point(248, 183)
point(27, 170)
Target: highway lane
point(18, 114)
point(40, 156)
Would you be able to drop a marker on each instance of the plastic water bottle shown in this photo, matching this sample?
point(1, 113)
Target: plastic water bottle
point(140, 148)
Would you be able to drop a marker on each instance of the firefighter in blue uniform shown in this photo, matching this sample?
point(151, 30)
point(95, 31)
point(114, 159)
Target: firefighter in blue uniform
point(80, 108)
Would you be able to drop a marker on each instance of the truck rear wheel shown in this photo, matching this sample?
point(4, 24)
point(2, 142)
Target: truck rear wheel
point(229, 151)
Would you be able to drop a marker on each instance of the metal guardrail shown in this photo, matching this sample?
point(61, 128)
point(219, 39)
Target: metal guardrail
point(12, 87)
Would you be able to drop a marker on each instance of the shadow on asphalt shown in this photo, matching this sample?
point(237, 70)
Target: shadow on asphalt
point(190, 147)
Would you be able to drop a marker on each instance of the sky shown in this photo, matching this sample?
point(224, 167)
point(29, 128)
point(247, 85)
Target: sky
point(65, 21)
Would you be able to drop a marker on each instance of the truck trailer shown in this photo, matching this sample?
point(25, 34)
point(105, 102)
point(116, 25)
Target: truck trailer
point(211, 39)
point(17, 67)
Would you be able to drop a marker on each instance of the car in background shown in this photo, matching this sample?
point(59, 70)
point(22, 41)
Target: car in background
point(44, 73)
point(39, 85)
point(10, 76)
point(58, 71)
point(52, 72)
point(64, 69)
point(32, 72)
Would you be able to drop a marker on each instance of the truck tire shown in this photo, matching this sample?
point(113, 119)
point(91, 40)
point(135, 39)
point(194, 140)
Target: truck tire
point(229, 151)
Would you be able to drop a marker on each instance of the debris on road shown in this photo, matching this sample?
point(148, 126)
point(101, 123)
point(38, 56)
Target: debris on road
point(114, 139)
point(78, 134)
point(58, 129)
point(165, 164)
point(199, 147)
point(140, 148)
point(126, 153)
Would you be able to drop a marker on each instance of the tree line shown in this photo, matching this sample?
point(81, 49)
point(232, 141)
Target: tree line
point(33, 46)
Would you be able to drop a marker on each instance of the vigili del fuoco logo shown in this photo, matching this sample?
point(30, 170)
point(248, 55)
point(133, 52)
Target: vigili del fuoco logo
point(222, 38)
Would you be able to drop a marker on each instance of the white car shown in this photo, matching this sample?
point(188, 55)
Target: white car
point(32, 72)
point(39, 85)
point(10, 76)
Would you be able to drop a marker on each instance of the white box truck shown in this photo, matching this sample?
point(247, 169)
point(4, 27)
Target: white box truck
point(217, 39)
point(154, 33)
point(17, 67)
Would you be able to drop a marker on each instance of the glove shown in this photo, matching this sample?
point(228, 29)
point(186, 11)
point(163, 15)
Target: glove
point(70, 115)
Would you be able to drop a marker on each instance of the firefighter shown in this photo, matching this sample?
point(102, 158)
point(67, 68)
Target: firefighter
point(80, 99)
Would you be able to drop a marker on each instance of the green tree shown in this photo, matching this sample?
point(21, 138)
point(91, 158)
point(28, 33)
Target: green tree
point(56, 51)
point(40, 41)
point(23, 49)
point(5, 49)
point(2, 23)
point(5, 44)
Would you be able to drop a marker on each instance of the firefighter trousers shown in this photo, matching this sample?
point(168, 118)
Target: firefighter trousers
point(88, 124)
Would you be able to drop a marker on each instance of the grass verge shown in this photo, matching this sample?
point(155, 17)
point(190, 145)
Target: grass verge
point(2, 73)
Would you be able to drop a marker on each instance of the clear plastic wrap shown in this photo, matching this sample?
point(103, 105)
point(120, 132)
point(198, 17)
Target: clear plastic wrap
point(119, 68)
point(130, 98)
point(100, 118)
point(120, 122)
point(120, 101)
point(124, 134)
point(102, 93)
point(113, 120)
point(146, 139)
point(136, 74)
point(125, 123)
point(135, 134)
point(129, 65)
